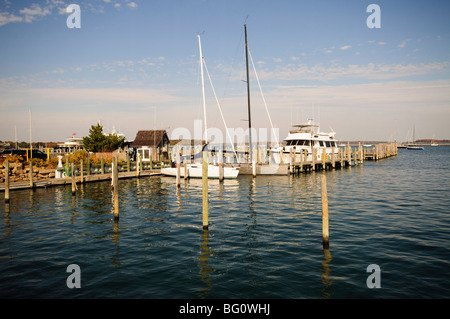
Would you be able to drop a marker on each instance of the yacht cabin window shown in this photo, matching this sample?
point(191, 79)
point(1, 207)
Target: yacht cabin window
point(298, 143)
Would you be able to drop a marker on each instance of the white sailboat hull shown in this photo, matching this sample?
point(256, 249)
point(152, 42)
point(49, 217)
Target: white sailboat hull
point(195, 171)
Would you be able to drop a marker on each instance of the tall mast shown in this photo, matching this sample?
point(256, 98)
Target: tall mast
point(248, 99)
point(203, 87)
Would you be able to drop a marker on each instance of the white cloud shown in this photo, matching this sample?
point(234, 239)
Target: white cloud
point(402, 45)
point(297, 72)
point(132, 5)
point(6, 18)
point(34, 12)
point(345, 47)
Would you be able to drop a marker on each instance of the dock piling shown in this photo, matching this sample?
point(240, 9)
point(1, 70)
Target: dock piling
point(205, 188)
point(74, 186)
point(220, 165)
point(325, 233)
point(31, 174)
point(6, 181)
point(178, 170)
point(116, 188)
point(81, 172)
point(137, 164)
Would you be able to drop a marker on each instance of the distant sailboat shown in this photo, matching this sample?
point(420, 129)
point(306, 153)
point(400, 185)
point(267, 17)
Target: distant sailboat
point(413, 145)
point(434, 142)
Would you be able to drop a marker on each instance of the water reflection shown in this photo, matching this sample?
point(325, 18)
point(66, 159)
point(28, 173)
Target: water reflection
point(115, 261)
point(8, 227)
point(205, 268)
point(326, 281)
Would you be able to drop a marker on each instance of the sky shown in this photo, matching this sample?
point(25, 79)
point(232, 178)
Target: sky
point(134, 65)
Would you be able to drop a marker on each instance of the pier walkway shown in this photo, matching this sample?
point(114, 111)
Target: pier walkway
point(348, 156)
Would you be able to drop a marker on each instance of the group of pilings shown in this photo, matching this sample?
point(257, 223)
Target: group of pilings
point(205, 200)
point(346, 157)
point(82, 177)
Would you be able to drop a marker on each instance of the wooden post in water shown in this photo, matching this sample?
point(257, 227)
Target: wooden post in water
point(72, 172)
point(178, 170)
point(291, 162)
point(205, 188)
point(220, 165)
point(313, 159)
point(324, 158)
point(361, 153)
point(295, 153)
point(349, 154)
point(325, 233)
point(185, 171)
point(6, 181)
point(88, 166)
point(303, 153)
point(81, 171)
point(116, 188)
point(333, 158)
point(102, 165)
point(137, 164)
point(31, 174)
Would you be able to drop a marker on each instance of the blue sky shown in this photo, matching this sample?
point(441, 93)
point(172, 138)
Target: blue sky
point(132, 60)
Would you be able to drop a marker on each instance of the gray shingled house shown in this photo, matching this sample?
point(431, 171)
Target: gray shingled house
point(152, 144)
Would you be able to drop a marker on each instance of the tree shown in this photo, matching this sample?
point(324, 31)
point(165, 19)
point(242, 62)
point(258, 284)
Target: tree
point(96, 141)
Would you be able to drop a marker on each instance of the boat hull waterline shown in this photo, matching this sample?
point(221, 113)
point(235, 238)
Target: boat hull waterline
point(195, 171)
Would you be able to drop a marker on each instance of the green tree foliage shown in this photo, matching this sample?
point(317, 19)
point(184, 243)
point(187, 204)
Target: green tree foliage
point(96, 141)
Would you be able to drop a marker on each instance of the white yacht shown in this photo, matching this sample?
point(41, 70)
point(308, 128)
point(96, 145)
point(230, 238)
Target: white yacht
point(308, 137)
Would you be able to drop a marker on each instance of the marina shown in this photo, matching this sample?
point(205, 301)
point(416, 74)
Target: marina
point(264, 238)
point(292, 162)
point(124, 175)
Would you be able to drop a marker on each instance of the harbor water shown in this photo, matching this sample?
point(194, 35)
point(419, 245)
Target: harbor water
point(264, 238)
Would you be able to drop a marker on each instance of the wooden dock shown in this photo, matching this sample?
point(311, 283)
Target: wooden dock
point(292, 164)
point(44, 183)
point(90, 173)
point(346, 157)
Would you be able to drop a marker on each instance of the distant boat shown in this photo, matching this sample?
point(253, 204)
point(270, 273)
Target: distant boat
point(196, 170)
point(434, 142)
point(414, 146)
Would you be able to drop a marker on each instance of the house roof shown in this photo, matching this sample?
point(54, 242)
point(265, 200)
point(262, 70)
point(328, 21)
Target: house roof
point(149, 138)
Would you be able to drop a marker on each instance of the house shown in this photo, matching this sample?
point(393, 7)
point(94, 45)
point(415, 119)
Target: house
point(152, 144)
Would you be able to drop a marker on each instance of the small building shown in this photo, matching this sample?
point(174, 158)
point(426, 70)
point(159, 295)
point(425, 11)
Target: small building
point(152, 144)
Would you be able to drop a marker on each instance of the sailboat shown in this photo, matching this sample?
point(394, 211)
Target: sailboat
point(414, 146)
point(194, 170)
point(434, 142)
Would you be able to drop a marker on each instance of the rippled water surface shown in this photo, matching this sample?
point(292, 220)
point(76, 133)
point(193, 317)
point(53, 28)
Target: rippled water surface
point(264, 238)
